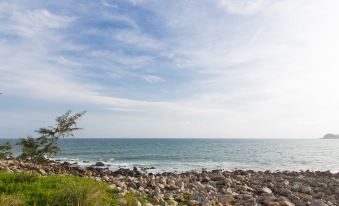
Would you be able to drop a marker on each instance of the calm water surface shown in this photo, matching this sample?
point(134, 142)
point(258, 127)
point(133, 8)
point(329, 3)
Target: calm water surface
point(187, 154)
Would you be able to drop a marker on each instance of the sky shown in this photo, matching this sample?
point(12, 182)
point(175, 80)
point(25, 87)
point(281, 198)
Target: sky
point(171, 69)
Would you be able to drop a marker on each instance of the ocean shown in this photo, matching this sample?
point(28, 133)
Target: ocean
point(196, 154)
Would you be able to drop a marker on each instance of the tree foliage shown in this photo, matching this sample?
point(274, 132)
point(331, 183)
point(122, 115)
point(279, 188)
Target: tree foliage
point(46, 144)
point(5, 150)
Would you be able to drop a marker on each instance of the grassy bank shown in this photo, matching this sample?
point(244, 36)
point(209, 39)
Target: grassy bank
point(17, 189)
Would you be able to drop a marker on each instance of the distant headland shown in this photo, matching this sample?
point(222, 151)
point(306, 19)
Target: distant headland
point(331, 136)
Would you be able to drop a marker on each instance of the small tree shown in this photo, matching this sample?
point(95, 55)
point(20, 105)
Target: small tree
point(40, 148)
point(5, 150)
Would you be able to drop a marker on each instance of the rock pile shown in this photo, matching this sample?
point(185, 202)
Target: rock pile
point(217, 187)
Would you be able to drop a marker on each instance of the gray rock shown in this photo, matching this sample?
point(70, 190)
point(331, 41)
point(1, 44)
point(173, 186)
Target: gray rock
point(306, 189)
point(296, 187)
point(318, 203)
point(266, 190)
point(99, 164)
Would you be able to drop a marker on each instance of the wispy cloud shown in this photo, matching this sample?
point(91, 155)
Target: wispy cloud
point(156, 65)
point(136, 39)
point(242, 7)
point(152, 78)
point(108, 4)
point(29, 23)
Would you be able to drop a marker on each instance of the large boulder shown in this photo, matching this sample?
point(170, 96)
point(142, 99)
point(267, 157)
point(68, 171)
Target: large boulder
point(99, 164)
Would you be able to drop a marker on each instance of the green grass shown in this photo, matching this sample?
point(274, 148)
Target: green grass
point(18, 189)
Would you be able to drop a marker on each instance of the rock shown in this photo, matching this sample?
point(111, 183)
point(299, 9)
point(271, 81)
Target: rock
point(240, 178)
point(296, 187)
point(273, 204)
point(99, 164)
point(172, 187)
point(266, 190)
point(136, 203)
point(294, 198)
point(157, 190)
point(200, 186)
point(210, 188)
point(318, 203)
point(193, 203)
point(319, 195)
point(112, 186)
point(306, 197)
point(198, 197)
point(206, 188)
point(6, 169)
point(266, 198)
point(42, 172)
point(205, 179)
point(122, 202)
point(336, 190)
point(286, 203)
point(182, 186)
point(306, 189)
point(226, 199)
point(172, 202)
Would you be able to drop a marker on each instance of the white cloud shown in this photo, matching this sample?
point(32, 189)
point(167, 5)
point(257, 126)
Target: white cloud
point(152, 78)
point(137, 39)
point(108, 4)
point(242, 7)
point(28, 23)
point(273, 73)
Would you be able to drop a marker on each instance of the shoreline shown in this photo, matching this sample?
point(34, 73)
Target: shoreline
point(215, 187)
point(179, 167)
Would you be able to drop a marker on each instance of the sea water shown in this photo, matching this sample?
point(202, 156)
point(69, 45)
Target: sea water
point(197, 154)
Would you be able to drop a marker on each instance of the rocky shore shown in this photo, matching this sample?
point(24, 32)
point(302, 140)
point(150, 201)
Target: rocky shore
point(217, 187)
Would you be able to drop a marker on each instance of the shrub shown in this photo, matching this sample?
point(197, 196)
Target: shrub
point(5, 150)
point(40, 148)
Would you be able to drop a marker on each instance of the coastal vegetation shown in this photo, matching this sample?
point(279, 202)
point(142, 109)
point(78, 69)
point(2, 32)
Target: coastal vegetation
point(19, 189)
point(24, 185)
point(39, 149)
point(5, 150)
point(29, 189)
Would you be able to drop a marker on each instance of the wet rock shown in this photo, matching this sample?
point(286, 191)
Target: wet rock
point(99, 164)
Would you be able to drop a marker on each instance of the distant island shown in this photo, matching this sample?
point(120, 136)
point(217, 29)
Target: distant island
point(331, 136)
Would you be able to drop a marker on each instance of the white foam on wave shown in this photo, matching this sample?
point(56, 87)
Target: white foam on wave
point(158, 167)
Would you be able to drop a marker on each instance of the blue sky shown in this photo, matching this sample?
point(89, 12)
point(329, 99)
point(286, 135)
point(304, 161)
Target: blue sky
point(153, 68)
